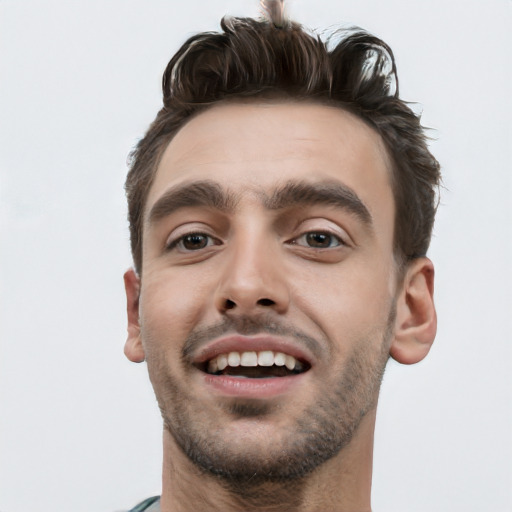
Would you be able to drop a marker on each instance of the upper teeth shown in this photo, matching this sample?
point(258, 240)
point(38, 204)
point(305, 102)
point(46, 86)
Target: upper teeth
point(263, 358)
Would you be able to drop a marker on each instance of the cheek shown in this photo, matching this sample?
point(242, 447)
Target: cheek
point(172, 304)
point(352, 299)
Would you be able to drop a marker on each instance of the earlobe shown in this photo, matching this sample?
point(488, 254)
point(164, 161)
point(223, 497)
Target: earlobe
point(416, 321)
point(133, 348)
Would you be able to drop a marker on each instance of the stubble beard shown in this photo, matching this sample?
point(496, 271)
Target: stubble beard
point(317, 435)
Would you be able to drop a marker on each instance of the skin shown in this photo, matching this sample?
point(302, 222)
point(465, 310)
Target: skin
point(258, 267)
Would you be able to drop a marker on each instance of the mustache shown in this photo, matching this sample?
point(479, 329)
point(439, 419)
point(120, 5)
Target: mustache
point(246, 326)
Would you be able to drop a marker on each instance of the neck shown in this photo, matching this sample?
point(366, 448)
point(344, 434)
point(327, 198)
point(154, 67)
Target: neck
point(342, 483)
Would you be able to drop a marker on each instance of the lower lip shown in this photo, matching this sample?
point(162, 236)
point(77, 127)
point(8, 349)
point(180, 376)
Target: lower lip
point(252, 388)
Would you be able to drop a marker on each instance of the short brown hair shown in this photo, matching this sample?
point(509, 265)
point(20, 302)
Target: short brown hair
point(251, 59)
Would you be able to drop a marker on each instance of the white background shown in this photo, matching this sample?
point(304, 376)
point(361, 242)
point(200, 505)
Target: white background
point(79, 84)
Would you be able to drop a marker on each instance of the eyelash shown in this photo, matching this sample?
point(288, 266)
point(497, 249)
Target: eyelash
point(179, 242)
point(331, 236)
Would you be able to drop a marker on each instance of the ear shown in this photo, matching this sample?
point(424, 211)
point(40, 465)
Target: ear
point(133, 348)
point(416, 320)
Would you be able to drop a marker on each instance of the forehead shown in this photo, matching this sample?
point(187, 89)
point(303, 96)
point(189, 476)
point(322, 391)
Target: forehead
point(255, 147)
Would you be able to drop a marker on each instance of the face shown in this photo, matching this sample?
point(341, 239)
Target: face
point(268, 285)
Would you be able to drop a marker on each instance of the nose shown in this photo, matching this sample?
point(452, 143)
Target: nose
point(253, 279)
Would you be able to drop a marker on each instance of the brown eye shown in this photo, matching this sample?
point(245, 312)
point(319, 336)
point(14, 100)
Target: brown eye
point(195, 241)
point(319, 240)
point(192, 242)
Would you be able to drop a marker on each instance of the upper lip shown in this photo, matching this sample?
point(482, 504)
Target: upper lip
point(256, 343)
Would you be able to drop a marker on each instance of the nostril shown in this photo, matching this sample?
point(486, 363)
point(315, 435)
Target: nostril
point(230, 304)
point(266, 302)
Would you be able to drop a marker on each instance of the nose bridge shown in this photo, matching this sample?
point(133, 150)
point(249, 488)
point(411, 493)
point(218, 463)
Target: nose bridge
point(251, 277)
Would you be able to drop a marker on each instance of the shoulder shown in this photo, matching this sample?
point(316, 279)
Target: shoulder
point(149, 505)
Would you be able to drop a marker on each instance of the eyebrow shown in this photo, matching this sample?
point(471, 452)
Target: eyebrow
point(209, 194)
point(329, 193)
point(205, 193)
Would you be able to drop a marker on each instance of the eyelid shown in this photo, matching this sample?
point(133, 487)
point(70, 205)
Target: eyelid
point(183, 230)
point(337, 238)
point(323, 225)
point(178, 243)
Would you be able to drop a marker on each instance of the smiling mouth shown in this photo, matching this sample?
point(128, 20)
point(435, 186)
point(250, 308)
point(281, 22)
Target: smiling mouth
point(254, 365)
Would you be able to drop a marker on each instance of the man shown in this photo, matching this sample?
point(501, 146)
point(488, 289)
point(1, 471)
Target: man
point(281, 207)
